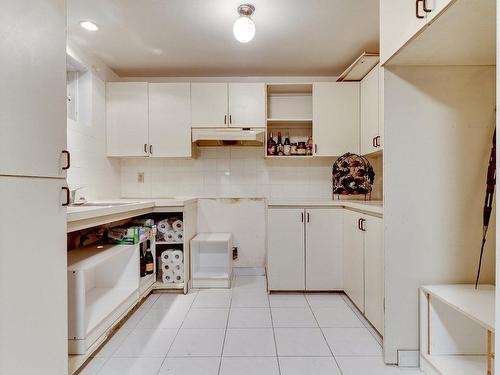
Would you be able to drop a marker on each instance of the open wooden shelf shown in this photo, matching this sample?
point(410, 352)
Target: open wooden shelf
point(457, 364)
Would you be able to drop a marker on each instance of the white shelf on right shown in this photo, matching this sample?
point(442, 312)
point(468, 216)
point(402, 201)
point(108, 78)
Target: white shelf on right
point(457, 325)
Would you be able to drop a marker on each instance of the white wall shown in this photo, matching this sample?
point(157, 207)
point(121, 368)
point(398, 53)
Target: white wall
point(90, 168)
point(439, 124)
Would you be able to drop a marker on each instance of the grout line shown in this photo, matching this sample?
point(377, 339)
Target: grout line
point(323, 334)
point(364, 321)
point(233, 281)
point(274, 333)
point(177, 333)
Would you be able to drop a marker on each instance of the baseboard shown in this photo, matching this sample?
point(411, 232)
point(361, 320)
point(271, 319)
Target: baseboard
point(249, 271)
point(408, 358)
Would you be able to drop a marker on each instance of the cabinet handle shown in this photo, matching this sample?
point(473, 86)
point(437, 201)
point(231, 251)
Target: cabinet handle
point(362, 224)
point(151, 149)
point(65, 188)
point(145, 148)
point(68, 159)
point(315, 148)
point(417, 13)
point(230, 119)
point(377, 141)
point(359, 224)
point(302, 217)
point(225, 119)
point(426, 10)
point(308, 218)
point(374, 142)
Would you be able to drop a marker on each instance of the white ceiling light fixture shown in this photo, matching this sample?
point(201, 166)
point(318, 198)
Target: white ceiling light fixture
point(89, 25)
point(244, 28)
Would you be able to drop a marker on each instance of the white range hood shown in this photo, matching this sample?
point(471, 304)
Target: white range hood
point(228, 136)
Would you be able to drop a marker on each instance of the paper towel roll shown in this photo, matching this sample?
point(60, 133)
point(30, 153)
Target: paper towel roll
point(178, 237)
point(178, 278)
point(169, 236)
point(177, 257)
point(165, 267)
point(167, 277)
point(177, 268)
point(167, 256)
point(164, 226)
point(178, 226)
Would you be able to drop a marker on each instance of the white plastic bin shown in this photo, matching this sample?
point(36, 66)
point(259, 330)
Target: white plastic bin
point(212, 260)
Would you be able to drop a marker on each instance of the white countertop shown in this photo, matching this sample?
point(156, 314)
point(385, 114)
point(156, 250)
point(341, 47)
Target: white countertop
point(375, 207)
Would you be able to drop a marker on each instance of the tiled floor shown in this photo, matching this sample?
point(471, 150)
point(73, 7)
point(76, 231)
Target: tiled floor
point(243, 331)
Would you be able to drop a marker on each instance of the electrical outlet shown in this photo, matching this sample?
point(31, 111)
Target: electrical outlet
point(140, 177)
point(235, 253)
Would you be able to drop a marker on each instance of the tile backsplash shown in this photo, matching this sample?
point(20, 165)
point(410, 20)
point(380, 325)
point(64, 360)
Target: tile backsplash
point(227, 172)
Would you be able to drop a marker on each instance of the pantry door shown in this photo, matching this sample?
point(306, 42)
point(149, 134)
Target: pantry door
point(285, 249)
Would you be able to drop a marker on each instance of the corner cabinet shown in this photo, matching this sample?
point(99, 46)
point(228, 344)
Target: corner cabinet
point(221, 105)
point(363, 263)
point(371, 116)
point(336, 118)
point(148, 119)
point(304, 248)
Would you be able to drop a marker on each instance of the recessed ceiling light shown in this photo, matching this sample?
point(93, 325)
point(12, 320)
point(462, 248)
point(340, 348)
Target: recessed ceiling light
point(89, 25)
point(244, 28)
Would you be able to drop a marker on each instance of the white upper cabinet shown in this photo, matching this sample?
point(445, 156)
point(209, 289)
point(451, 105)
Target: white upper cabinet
point(33, 92)
point(127, 118)
point(169, 120)
point(209, 105)
point(370, 107)
point(247, 105)
point(336, 114)
point(399, 21)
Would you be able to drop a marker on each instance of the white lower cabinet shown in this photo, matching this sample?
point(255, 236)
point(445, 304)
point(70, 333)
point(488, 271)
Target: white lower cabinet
point(304, 249)
point(363, 262)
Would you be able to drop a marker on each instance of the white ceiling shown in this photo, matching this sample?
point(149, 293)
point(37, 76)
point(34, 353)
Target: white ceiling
point(194, 37)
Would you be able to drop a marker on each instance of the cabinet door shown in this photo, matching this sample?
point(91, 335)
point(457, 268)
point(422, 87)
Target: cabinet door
point(324, 249)
point(127, 118)
point(353, 259)
point(247, 105)
point(285, 249)
point(398, 23)
point(209, 105)
point(336, 118)
point(33, 92)
point(374, 272)
point(169, 120)
point(33, 295)
point(369, 111)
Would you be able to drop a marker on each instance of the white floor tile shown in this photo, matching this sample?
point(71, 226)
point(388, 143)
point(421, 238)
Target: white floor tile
point(93, 367)
point(213, 299)
point(252, 317)
point(134, 319)
point(325, 300)
point(190, 366)
point(297, 342)
point(249, 299)
point(146, 343)
point(149, 301)
point(198, 342)
point(410, 371)
point(249, 366)
point(340, 316)
point(288, 300)
point(253, 342)
point(206, 318)
point(365, 365)
point(293, 317)
point(114, 342)
point(131, 366)
point(352, 342)
point(163, 318)
point(250, 282)
point(167, 301)
point(309, 365)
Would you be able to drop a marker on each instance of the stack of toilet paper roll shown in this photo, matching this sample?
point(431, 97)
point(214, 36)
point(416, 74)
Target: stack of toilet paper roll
point(171, 230)
point(172, 266)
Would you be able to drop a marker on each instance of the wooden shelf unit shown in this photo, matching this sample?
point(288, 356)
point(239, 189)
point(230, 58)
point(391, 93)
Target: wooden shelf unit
point(457, 325)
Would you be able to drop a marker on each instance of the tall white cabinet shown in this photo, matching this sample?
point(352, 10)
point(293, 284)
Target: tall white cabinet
point(371, 117)
point(336, 118)
point(33, 323)
point(304, 248)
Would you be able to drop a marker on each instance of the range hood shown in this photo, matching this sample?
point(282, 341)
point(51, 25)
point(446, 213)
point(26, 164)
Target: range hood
point(228, 136)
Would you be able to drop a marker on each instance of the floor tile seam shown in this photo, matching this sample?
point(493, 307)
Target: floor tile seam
point(363, 320)
point(274, 332)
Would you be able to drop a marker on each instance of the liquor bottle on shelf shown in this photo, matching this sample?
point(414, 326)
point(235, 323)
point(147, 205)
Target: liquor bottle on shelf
point(149, 262)
point(279, 146)
point(309, 146)
point(286, 146)
point(142, 260)
point(271, 145)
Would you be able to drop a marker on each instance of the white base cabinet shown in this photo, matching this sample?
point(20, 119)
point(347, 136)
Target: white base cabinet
point(304, 249)
point(364, 265)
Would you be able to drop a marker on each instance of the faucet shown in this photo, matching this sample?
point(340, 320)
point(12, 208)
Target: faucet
point(72, 196)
